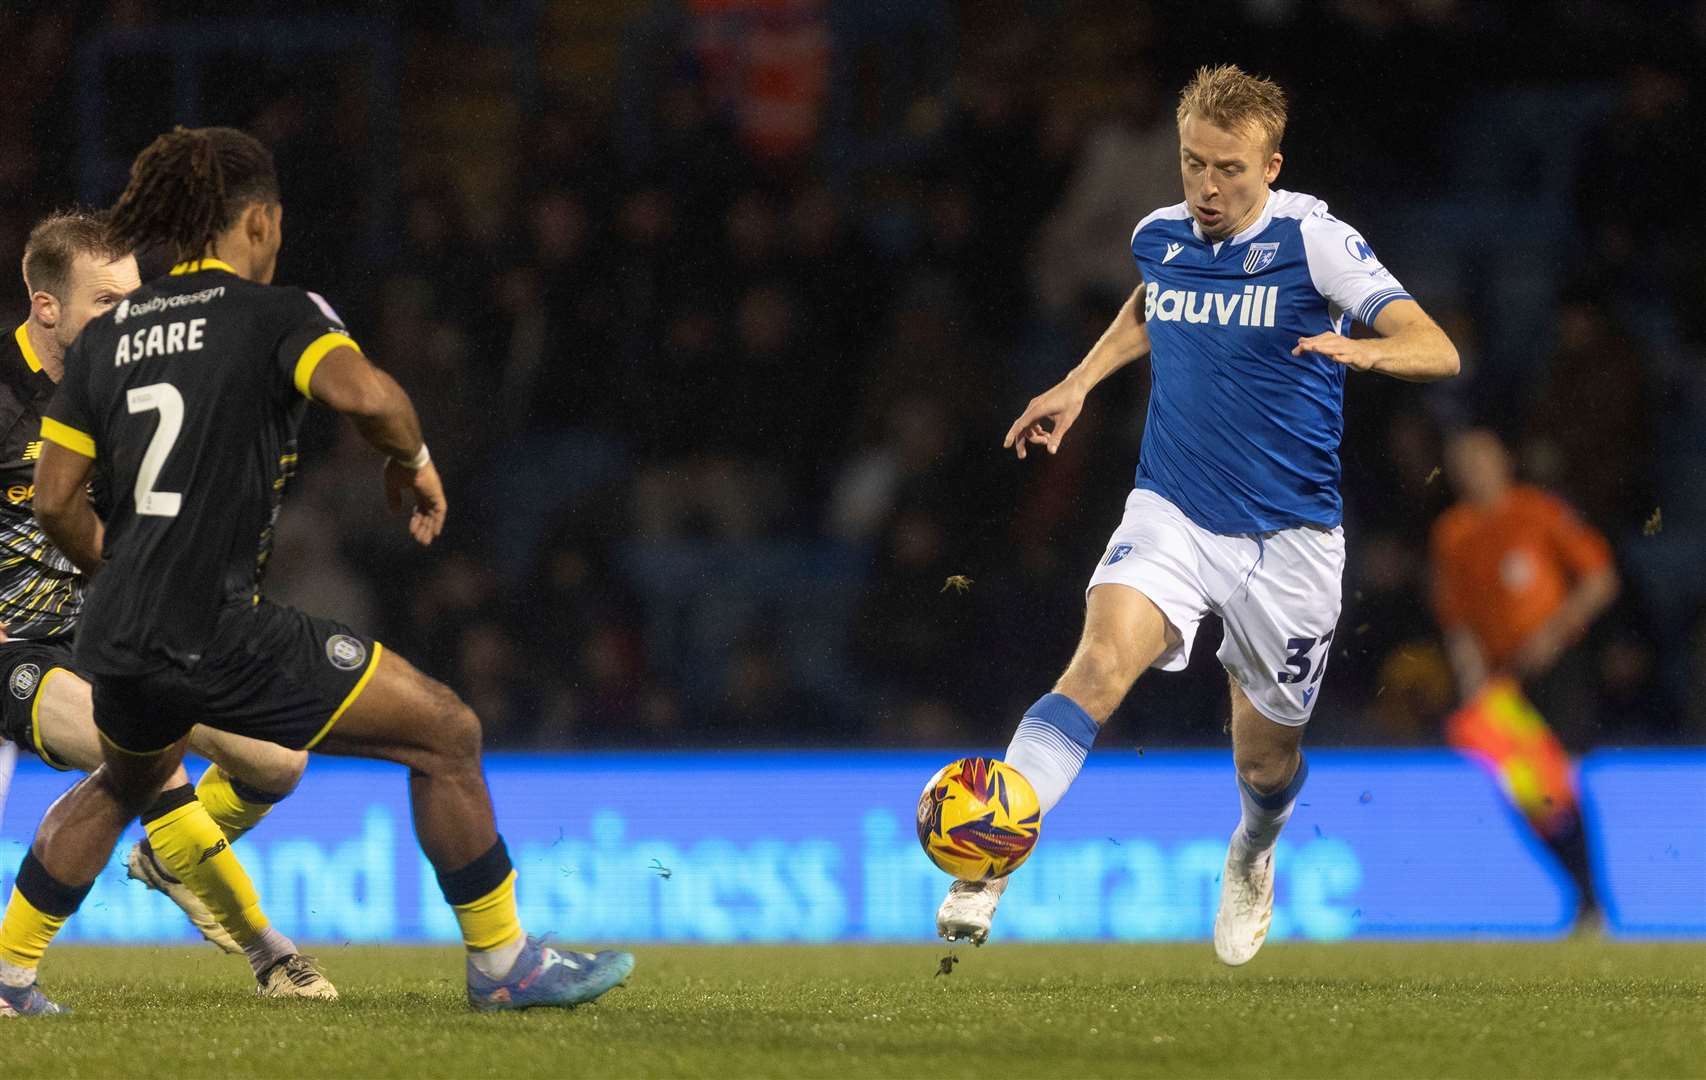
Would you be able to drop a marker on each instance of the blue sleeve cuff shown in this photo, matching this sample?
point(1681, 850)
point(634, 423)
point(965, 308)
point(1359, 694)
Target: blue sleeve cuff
point(1371, 308)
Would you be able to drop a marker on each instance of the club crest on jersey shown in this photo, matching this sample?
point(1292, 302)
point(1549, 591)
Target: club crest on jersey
point(1116, 553)
point(25, 679)
point(1259, 256)
point(346, 653)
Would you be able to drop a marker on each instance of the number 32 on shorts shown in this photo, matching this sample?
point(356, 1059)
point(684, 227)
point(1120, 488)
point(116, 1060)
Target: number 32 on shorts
point(1301, 663)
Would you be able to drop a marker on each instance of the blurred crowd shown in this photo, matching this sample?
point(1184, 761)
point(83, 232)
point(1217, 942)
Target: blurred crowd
point(716, 311)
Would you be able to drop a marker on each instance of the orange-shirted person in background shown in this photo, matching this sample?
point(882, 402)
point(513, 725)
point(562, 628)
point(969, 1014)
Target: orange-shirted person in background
point(1518, 579)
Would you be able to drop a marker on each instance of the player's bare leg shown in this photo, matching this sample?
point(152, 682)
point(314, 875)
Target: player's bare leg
point(1124, 633)
point(259, 774)
point(65, 720)
point(1271, 772)
point(66, 727)
point(214, 892)
point(246, 779)
point(403, 716)
point(72, 844)
point(418, 722)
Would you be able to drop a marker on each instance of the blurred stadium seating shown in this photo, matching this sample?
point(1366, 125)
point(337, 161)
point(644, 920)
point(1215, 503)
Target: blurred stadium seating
point(716, 310)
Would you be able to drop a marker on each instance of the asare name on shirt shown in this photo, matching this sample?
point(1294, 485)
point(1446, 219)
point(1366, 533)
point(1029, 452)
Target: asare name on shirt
point(159, 340)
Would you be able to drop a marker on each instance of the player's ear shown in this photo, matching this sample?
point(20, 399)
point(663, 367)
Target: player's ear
point(44, 308)
point(255, 224)
point(1275, 160)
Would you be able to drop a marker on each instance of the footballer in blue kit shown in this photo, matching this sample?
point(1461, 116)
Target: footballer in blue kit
point(1246, 298)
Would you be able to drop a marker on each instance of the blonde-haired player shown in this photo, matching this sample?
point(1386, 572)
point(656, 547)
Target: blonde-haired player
point(1244, 308)
point(73, 273)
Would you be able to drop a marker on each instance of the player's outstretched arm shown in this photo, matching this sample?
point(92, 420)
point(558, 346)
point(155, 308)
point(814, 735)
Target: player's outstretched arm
point(62, 505)
point(1411, 346)
point(347, 381)
point(1126, 339)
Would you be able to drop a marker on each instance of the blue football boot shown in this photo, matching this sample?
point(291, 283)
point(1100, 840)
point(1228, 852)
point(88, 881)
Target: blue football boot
point(544, 977)
point(27, 1001)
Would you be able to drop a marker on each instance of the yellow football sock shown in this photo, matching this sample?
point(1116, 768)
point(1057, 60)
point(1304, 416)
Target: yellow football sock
point(234, 814)
point(26, 932)
point(196, 851)
point(490, 922)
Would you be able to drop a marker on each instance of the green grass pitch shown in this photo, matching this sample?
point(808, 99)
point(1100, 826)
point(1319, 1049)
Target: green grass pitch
point(1579, 1008)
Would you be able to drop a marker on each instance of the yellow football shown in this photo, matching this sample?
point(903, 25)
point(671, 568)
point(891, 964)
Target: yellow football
point(978, 819)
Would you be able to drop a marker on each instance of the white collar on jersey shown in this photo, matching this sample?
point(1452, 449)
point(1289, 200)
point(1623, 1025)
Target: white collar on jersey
point(1253, 230)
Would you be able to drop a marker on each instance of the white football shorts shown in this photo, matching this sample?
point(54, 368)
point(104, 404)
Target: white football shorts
point(1277, 592)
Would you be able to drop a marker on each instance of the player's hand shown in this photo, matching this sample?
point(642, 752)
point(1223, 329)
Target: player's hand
point(1541, 650)
point(1358, 355)
point(3, 635)
point(1059, 406)
point(425, 494)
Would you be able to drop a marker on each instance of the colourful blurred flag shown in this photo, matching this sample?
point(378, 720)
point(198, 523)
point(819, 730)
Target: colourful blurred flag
point(1502, 729)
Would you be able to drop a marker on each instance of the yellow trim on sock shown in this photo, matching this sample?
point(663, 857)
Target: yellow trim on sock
point(35, 722)
point(78, 442)
point(26, 932)
point(490, 922)
point(228, 809)
point(313, 354)
point(349, 699)
point(193, 847)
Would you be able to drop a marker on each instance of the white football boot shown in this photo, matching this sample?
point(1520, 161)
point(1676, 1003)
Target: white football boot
point(143, 866)
point(968, 910)
point(295, 976)
point(1246, 907)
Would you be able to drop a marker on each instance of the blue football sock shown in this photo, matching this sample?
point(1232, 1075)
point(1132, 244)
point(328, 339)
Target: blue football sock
point(1050, 745)
point(1265, 815)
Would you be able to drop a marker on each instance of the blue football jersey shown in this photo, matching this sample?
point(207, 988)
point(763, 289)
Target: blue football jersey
point(1243, 436)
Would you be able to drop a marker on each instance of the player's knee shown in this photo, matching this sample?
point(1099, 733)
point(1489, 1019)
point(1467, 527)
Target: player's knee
point(263, 767)
point(133, 789)
point(1107, 665)
point(456, 731)
point(1266, 769)
point(276, 772)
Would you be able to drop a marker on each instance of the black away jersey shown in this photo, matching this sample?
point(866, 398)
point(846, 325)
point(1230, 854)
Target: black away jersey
point(187, 395)
point(40, 591)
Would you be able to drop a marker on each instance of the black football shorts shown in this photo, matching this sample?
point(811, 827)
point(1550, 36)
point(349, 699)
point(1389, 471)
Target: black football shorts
point(270, 672)
point(25, 665)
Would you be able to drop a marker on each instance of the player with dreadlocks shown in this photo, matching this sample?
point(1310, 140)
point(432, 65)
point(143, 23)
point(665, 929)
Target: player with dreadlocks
point(187, 397)
point(73, 273)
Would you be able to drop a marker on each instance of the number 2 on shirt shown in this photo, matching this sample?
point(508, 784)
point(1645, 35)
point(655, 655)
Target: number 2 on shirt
point(164, 399)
